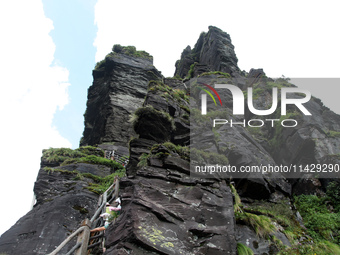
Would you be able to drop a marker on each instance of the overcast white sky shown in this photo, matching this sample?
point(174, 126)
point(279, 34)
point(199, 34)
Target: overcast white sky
point(291, 38)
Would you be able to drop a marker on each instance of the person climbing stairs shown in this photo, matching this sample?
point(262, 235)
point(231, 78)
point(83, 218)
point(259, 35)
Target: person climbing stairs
point(90, 236)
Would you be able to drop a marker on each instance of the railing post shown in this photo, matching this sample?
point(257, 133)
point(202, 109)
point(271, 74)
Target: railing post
point(84, 231)
point(116, 188)
point(84, 237)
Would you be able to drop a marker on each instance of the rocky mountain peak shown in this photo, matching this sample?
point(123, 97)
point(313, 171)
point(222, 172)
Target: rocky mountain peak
point(213, 51)
point(119, 86)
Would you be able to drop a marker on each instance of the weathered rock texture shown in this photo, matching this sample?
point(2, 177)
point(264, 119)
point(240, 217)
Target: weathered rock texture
point(63, 202)
point(213, 51)
point(167, 211)
point(119, 87)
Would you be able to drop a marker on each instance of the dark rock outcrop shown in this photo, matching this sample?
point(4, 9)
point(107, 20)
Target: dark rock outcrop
point(259, 245)
point(62, 204)
point(254, 76)
point(119, 87)
point(165, 210)
point(213, 51)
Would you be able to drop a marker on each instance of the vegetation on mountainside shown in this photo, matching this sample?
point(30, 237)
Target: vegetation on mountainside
point(127, 50)
point(266, 85)
point(176, 77)
point(321, 217)
point(318, 248)
point(165, 149)
point(243, 250)
point(59, 155)
point(204, 157)
point(333, 134)
point(100, 64)
point(237, 199)
point(162, 150)
point(101, 184)
point(182, 151)
point(131, 51)
point(85, 154)
point(98, 185)
point(151, 113)
point(221, 74)
point(177, 95)
point(191, 71)
point(92, 159)
point(322, 214)
point(261, 224)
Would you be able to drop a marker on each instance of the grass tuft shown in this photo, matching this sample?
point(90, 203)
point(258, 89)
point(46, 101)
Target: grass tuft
point(244, 250)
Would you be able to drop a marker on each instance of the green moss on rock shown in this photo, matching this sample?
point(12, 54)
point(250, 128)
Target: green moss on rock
point(131, 51)
point(221, 74)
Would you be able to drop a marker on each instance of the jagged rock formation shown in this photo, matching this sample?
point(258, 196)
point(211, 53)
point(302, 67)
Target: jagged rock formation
point(212, 52)
point(119, 87)
point(63, 200)
point(167, 209)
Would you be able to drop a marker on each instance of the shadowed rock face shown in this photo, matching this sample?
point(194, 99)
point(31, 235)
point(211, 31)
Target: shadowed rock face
point(172, 218)
point(118, 89)
point(213, 51)
point(165, 210)
point(62, 204)
point(246, 235)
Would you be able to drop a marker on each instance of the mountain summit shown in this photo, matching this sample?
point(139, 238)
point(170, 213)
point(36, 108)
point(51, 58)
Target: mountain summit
point(213, 51)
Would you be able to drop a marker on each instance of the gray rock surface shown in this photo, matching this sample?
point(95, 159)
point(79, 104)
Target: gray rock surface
point(118, 89)
point(165, 210)
point(213, 51)
point(258, 245)
point(62, 204)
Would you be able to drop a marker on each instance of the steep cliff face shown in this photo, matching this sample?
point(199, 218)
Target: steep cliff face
point(119, 87)
point(213, 51)
point(65, 195)
point(167, 209)
point(314, 139)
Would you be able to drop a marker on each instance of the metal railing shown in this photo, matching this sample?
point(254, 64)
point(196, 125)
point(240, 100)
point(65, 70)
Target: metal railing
point(83, 233)
point(120, 158)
